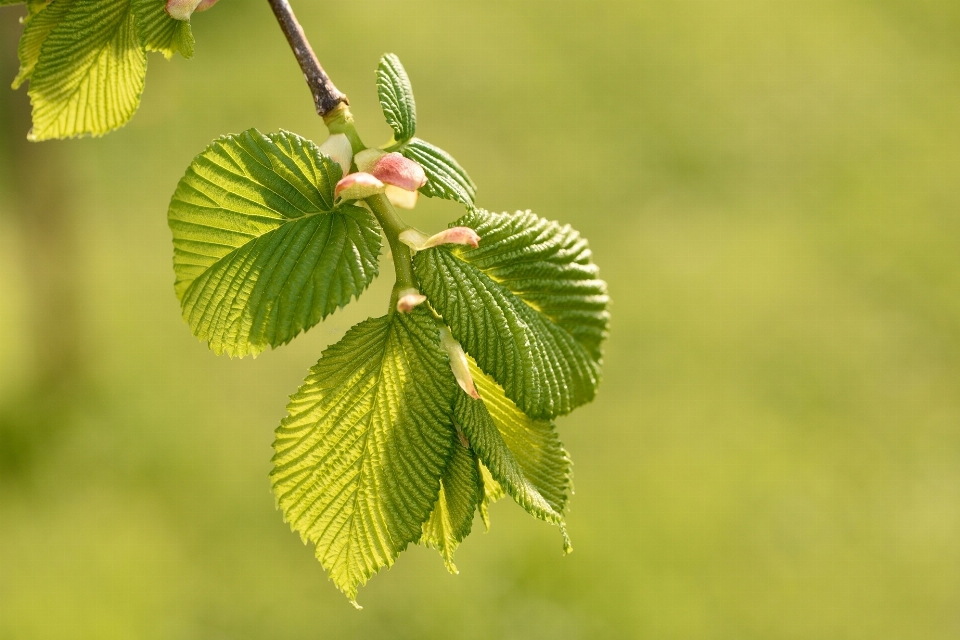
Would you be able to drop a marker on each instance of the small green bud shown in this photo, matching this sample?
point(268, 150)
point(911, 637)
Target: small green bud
point(358, 186)
point(337, 148)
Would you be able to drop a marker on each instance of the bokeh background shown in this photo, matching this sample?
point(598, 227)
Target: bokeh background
point(772, 191)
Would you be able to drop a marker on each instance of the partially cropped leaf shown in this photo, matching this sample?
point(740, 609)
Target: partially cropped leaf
point(492, 492)
point(523, 455)
point(359, 458)
point(445, 177)
point(527, 304)
point(37, 27)
point(396, 98)
point(160, 32)
point(261, 252)
point(89, 75)
point(461, 493)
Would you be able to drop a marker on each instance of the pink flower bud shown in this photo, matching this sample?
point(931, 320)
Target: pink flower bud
point(358, 186)
point(181, 9)
point(337, 148)
point(458, 363)
point(205, 4)
point(418, 241)
point(401, 198)
point(408, 299)
point(393, 168)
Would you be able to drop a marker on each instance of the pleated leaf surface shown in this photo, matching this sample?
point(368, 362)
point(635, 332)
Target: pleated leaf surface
point(261, 252)
point(359, 459)
point(527, 304)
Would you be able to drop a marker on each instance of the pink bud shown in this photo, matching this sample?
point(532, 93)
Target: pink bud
point(337, 148)
point(458, 363)
point(401, 198)
point(419, 241)
point(205, 4)
point(181, 9)
point(358, 186)
point(408, 299)
point(393, 168)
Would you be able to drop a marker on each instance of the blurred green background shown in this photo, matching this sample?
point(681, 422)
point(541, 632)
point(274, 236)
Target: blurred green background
point(770, 189)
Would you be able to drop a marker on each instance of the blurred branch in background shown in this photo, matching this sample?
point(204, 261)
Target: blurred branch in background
point(40, 216)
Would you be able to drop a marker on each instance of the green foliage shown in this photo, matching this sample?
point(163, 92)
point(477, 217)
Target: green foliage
point(461, 494)
point(527, 304)
point(381, 446)
point(261, 251)
point(396, 98)
point(445, 177)
point(523, 455)
point(86, 61)
point(359, 459)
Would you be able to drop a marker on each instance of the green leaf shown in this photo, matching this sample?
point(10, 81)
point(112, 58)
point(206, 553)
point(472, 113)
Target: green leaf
point(359, 458)
point(461, 493)
point(396, 98)
point(37, 26)
point(492, 491)
point(527, 304)
point(261, 252)
point(523, 455)
point(445, 177)
point(160, 32)
point(89, 75)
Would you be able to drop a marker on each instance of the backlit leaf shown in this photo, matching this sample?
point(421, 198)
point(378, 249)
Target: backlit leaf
point(522, 454)
point(461, 493)
point(261, 252)
point(359, 459)
point(89, 74)
point(527, 304)
point(160, 32)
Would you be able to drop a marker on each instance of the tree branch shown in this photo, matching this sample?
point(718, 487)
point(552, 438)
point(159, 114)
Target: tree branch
point(326, 96)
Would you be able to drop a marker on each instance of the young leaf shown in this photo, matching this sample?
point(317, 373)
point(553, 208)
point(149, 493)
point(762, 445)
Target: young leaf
point(261, 252)
point(89, 74)
point(160, 32)
point(445, 177)
point(527, 304)
point(37, 26)
point(492, 491)
point(461, 493)
point(396, 98)
point(523, 455)
point(359, 458)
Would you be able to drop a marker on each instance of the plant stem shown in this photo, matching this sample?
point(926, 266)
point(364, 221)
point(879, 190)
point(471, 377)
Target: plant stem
point(326, 96)
point(402, 259)
point(332, 107)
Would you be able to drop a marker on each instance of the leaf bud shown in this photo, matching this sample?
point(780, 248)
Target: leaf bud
point(181, 9)
point(401, 198)
point(205, 4)
point(408, 299)
point(418, 241)
point(337, 148)
point(458, 363)
point(358, 186)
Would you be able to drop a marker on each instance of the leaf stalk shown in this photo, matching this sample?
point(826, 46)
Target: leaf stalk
point(393, 226)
